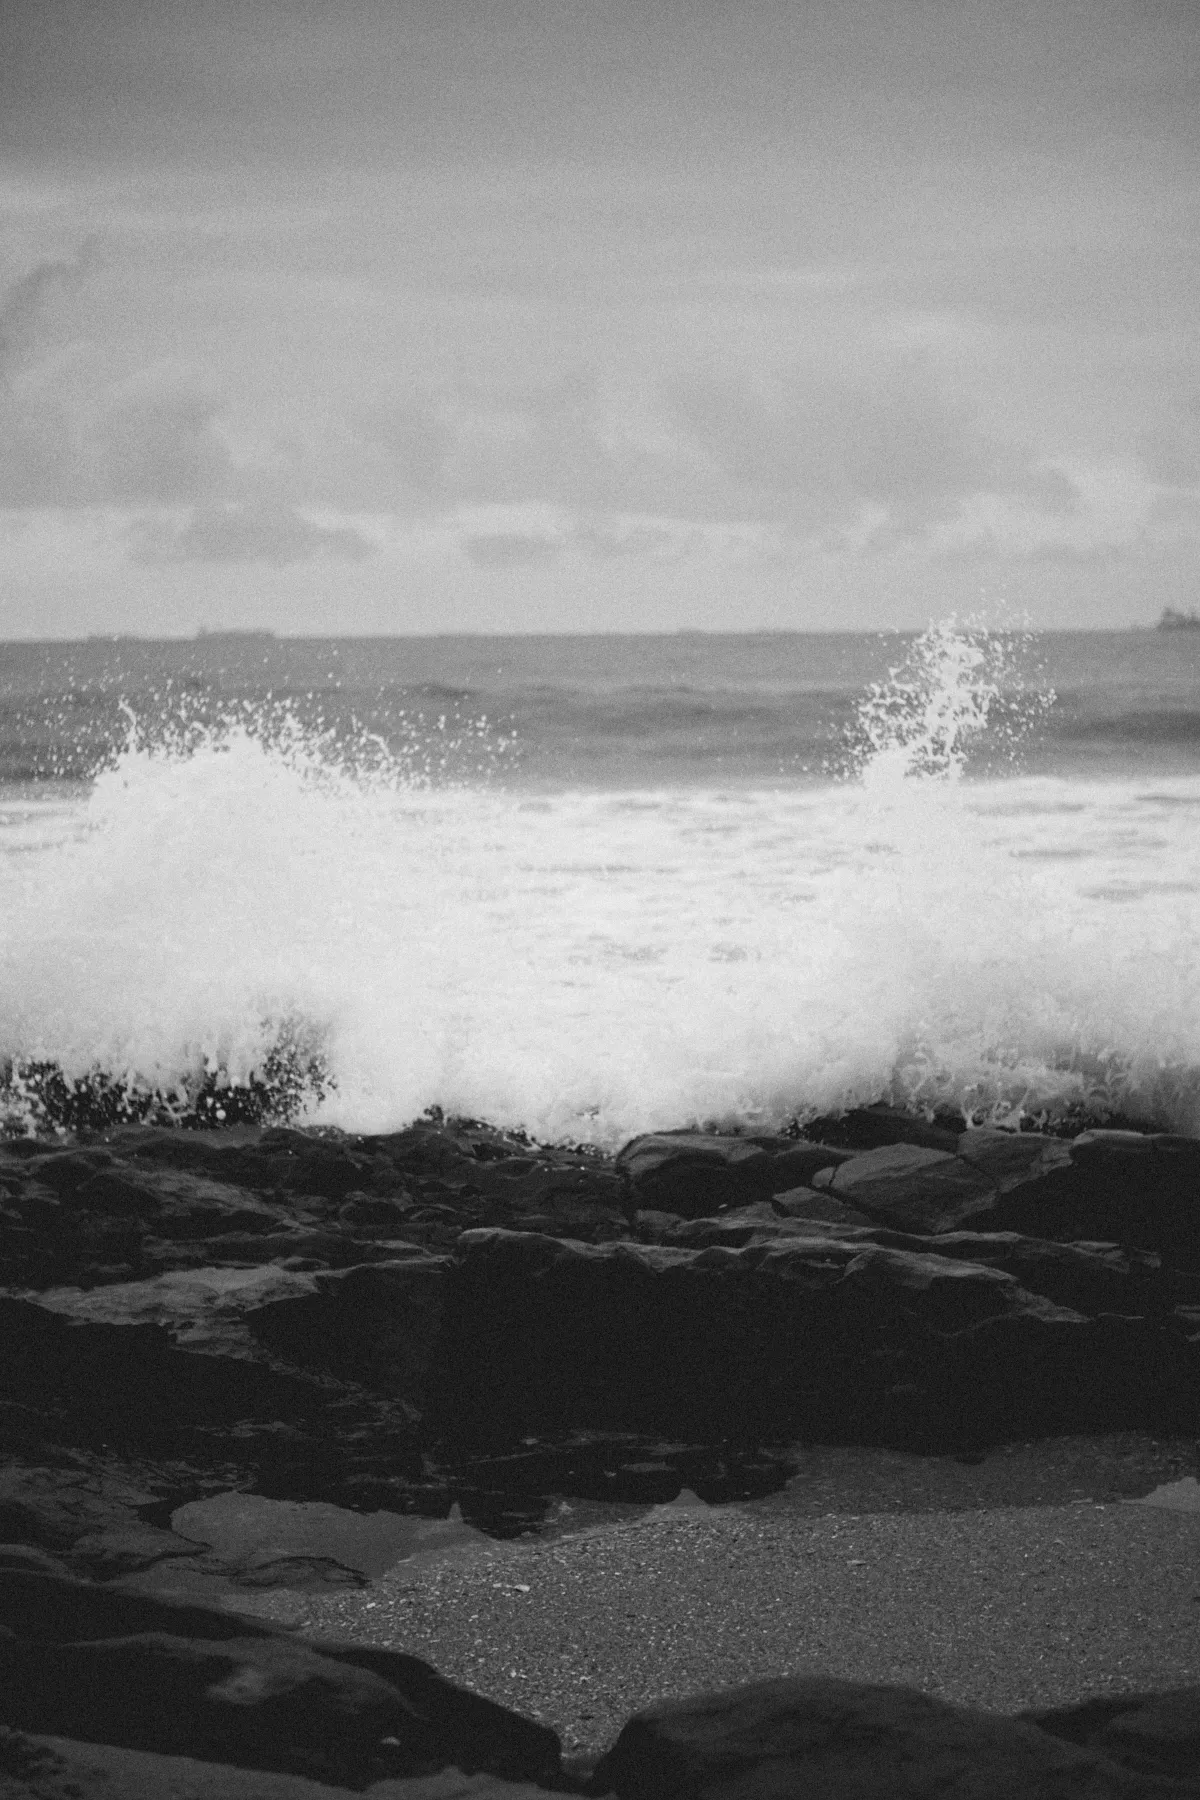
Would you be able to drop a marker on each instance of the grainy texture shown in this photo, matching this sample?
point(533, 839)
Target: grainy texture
point(1003, 1609)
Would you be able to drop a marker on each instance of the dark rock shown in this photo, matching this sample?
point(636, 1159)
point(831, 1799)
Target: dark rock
point(1091, 1278)
point(256, 1702)
point(67, 1170)
point(120, 1668)
point(56, 1768)
point(27, 1556)
point(55, 1506)
point(822, 1337)
point(1115, 1187)
point(113, 1194)
point(378, 1323)
point(818, 1736)
point(869, 1127)
point(204, 1309)
point(109, 1555)
point(1154, 1734)
point(91, 1383)
point(303, 1574)
point(651, 1226)
point(92, 1523)
point(818, 1208)
point(912, 1187)
point(1120, 1187)
point(384, 1215)
point(694, 1174)
point(757, 1223)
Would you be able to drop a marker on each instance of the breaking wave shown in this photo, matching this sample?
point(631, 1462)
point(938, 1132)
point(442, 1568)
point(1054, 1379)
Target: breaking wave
point(257, 918)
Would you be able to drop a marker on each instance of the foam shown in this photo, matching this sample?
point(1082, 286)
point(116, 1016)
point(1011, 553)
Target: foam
point(592, 964)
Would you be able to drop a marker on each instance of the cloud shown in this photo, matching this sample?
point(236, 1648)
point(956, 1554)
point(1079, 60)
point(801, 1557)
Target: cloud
point(158, 441)
point(819, 447)
point(614, 538)
point(509, 549)
point(241, 533)
point(808, 448)
point(27, 302)
point(77, 431)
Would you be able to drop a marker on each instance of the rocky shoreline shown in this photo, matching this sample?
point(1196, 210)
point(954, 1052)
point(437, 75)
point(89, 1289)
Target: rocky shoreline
point(452, 1316)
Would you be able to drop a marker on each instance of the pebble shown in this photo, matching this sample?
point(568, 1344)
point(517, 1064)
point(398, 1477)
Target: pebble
point(1004, 1609)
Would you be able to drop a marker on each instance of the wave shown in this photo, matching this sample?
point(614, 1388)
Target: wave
point(261, 919)
point(1170, 725)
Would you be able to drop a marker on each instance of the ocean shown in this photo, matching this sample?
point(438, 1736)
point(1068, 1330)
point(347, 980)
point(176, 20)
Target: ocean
point(591, 886)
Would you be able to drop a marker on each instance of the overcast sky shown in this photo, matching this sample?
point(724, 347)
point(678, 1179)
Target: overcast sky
point(532, 315)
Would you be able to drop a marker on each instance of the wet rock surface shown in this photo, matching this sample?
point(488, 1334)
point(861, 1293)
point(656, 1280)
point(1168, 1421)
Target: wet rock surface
point(109, 1691)
point(366, 1320)
point(820, 1736)
point(452, 1325)
point(102, 1665)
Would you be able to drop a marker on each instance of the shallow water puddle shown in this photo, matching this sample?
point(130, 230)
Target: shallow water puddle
point(1179, 1496)
point(245, 1527)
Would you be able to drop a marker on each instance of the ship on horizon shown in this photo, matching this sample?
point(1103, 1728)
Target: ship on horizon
point(1174, 620)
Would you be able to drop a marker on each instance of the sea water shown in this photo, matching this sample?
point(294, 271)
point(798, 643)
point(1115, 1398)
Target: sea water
point(596, 886)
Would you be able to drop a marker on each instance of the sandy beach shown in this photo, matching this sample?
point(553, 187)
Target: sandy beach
point(999, 1606)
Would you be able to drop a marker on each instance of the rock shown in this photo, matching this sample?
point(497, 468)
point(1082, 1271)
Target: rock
point(738, 1225)
point(256, 1702)
point(383, 1215)
point(1104, 1186)
point(650, 1226)
point(1091, 1278)
point(819, 1208)
point(869, 1127)
point(203, 1309)
point(65, 1171)
point(55, 1506)
point(56, 1768)
point(694, 1174)
point(1124, 1187)
point(263, 1322)
point(108, 1555)
point(146, 1362)
point(816, 1736)
point(119, 1668)
point(150, 1200)
point(914, 1188)
point(95, 1382)
point(1154, 1734)
point(27, 1556)
point(378, 1323)
point(831, 1337)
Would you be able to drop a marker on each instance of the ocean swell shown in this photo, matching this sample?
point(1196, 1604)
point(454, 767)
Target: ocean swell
point(251, 921)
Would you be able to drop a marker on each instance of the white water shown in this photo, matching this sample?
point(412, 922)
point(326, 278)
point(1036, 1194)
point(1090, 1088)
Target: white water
point(592, 964)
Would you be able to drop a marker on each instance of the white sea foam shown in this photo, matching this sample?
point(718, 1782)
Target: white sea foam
point(592, 964)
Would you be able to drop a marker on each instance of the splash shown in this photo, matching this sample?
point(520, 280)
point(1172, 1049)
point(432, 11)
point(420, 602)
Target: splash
point(924, 721)
point(190, 992)
point(268, 920)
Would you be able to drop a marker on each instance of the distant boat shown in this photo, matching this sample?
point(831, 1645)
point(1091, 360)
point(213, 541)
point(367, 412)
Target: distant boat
point(1174, 620)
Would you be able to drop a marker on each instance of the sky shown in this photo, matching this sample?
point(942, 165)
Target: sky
point(597, 315)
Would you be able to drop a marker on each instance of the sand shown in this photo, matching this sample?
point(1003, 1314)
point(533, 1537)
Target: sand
point(1000, 1606)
